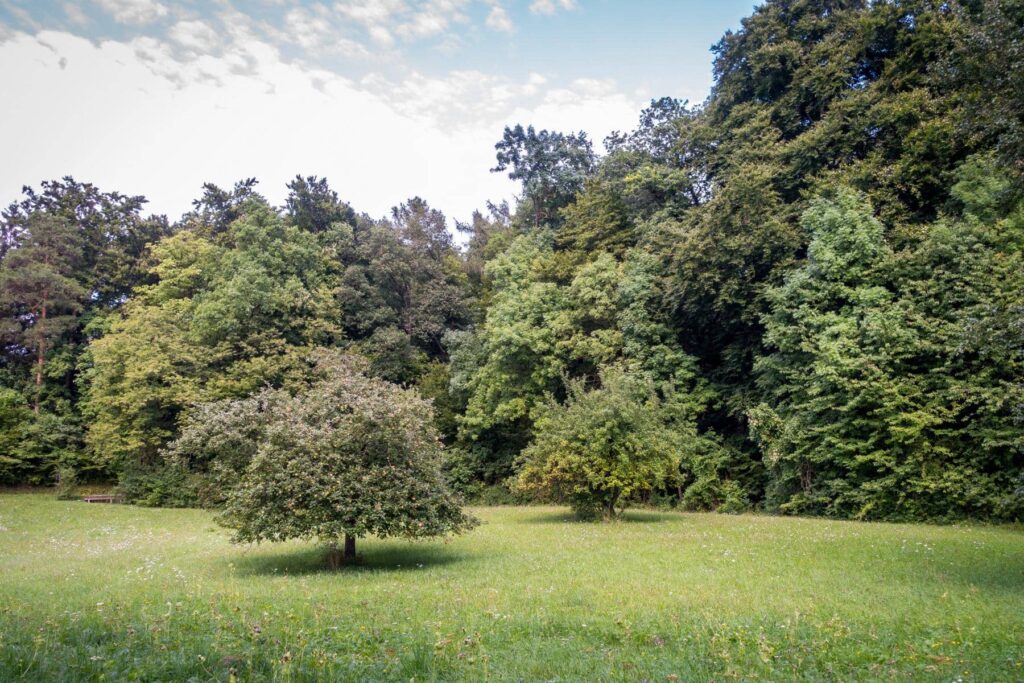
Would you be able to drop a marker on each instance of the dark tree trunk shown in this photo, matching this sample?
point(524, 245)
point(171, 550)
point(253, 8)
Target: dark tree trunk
point(350, 550)
point(337, 557)
point(609, 512)
point(40, 358)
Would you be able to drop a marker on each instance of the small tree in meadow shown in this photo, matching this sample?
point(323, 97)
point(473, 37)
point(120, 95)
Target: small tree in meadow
point(350, 456)
point(607, 444)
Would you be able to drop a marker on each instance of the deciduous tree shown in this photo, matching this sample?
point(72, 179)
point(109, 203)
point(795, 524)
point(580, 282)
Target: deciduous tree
point(348, 457)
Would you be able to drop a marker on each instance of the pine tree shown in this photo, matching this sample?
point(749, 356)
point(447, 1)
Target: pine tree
point(40, 292)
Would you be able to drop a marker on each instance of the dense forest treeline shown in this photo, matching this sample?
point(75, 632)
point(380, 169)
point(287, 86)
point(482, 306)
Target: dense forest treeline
point(804, 295)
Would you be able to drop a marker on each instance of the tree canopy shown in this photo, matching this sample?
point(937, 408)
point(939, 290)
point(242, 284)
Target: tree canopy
point(348, 456)
point(805, 292)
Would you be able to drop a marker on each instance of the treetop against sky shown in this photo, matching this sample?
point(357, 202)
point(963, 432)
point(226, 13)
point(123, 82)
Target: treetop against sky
point(387, 98)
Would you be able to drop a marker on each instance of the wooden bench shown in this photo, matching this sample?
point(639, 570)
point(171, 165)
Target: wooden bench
point(104, 498)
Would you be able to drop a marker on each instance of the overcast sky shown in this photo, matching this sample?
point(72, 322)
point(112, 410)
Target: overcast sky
point(386, 98)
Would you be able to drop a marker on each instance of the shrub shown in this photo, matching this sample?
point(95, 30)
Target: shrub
point(606, 445)
point(161, 485)
point(67, 482)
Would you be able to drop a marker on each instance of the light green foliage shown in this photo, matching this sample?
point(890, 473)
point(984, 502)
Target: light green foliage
point(823, 317)
point(517, 345)
point(222, 318)
point(657, 596)
point(239, 297)
point(539, 333)
point(844, 206)
point(605, 445)
point(143, 373)
point(347, 457)
point(67, 483)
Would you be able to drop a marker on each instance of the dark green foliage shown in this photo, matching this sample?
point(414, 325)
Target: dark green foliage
point(48, 441)
point(550, 165)
point(808, 95)
point(217, 209)
point(39, 292)
point(886, 402)
point(488, 236)
point(434, 384)
point(112, 234)
point(70, 254)
point(161, 485)
point(67, 483)
point(657, 133)
point(313, 206)
point(392, 355)
point(985, 66)
point(14, 417)
point(402, 273)
point(819, 266)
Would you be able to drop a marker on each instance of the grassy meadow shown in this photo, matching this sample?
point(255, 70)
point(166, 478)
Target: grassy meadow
point(112, 592)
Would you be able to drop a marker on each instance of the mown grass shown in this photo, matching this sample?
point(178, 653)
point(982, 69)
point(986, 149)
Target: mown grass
point(112, 592)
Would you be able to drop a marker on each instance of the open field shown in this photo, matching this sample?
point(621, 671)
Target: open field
point(117, 592)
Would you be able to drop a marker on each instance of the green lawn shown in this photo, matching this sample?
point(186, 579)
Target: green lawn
point(117, 592)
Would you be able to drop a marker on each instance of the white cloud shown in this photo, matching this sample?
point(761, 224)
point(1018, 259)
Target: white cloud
point(423, 25)
point(432, 18)
point(551, 6)
point(409, 20)
point(371, 12)
point(151, 119)
point(596, 107)
point(75, 14)
point(381, 36)
point(194, 35)
point(469, 100)
point(498, 20)
point(533, 83)
point(309, 28)
point(134, 11)
point(315, 29)
point(376, 16)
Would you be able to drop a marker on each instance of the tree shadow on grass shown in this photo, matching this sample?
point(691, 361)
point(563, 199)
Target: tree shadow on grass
point(627, 517)
point(375, 558)
point(1005, 574)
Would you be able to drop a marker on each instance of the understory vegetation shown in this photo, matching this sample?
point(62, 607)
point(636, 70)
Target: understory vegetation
point(804, 295)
